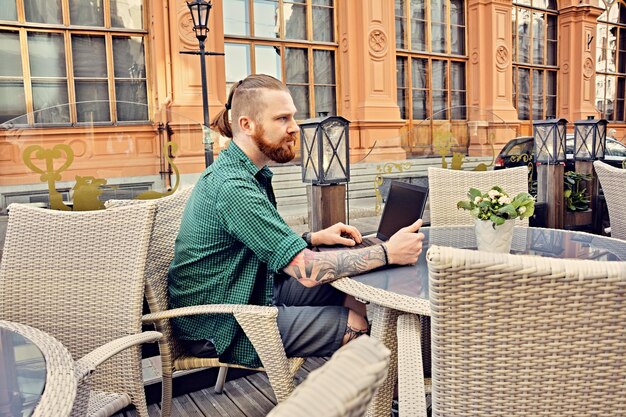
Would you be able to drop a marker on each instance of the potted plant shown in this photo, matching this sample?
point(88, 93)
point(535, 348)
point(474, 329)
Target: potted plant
point(577, 200)
point(495, 212)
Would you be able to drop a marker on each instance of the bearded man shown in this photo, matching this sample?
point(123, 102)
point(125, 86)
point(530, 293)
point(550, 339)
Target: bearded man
point(234, 248)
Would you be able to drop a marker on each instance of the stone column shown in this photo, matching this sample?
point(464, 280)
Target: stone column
point(367, 79)
point(490, 74)
point(577, 58)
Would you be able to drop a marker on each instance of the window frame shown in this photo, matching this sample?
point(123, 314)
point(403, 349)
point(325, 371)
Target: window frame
point(23, 28)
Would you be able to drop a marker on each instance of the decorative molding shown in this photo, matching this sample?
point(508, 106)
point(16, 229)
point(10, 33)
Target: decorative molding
point(475, 57)
point(502, 57)
point(344, 42)
point(588, 67)
point(185, 29)
point(378, 43)
point(565, 68)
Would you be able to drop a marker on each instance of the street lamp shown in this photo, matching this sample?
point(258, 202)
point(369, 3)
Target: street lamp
point(324, 143)
point(589, 139)
point(200, 10)
point(549, 138)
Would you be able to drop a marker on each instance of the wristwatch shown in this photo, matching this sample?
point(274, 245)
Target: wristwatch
point(307, 238)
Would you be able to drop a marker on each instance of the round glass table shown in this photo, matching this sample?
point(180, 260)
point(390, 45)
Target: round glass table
point(36, 373)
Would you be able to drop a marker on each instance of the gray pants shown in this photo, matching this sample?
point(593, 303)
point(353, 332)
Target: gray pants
point(311, 321)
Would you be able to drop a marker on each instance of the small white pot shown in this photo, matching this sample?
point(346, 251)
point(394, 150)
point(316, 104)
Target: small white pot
point(490, 239)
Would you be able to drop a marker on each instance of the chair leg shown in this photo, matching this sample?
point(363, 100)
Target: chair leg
point(221, 379)
point(166, 394)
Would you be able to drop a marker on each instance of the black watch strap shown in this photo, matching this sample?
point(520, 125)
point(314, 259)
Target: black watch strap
point(307, 238)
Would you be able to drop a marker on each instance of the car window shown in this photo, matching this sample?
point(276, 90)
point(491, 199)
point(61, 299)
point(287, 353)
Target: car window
point(520, 148)
point(615, 148)
point(569, 144)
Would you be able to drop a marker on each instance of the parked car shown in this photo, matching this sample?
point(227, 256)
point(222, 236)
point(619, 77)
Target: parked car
point(512, 153)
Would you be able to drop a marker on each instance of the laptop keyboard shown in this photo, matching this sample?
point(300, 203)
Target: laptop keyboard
point(366, 242)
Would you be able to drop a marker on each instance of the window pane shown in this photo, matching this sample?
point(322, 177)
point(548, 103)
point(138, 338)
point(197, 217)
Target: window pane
point(457, 75)
point(46, 54)
point(266, 20)
point(325, 100)
point(440, 105)
point(128, 57)
point(458, 39)
point(418, 35)
point(538, 38)
point(127, 14)
point(296, 65)
point(12, 100)
point(323, 67)
point(89, 56)
point(323, 2)
point(457, 12)
point(523, 94)
point(440, 69)
point(295, 21)
point(300, 95)
point(268, 61)
point(420, 105)
point(10, 55)
point(132, 100)
point(438, 33)
point(51, 99)
point(86, 13)
point(43, 11)
point(92, 101)
point(538, 95)
point(523, 35)
point(323, 24)
point(402, 97)
point(458, 111)
point(401, 79)
point(237, 61)
point(419, 72)
point(400, 33)
point(438, 11)
point(236, 17)
point(8, 10)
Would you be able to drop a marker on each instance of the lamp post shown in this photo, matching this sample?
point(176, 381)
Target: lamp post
point(549, 151)
point(325, 146)
point(200, 10)
point(589, 145)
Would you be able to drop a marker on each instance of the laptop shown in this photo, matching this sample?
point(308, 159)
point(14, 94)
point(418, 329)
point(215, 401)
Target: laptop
point(405, 205)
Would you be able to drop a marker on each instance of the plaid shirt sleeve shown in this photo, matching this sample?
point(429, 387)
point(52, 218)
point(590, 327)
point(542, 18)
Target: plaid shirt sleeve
point(251, 218)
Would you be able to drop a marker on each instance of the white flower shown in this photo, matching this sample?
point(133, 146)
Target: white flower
point(521, 210)
point(504, 200)
point(493, 194)
point(478, 199)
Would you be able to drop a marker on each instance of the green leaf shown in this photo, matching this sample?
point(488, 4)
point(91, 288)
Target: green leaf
point(465, 205)
point(473, 193)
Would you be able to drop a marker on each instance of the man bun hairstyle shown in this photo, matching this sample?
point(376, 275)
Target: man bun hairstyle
point(244, 99)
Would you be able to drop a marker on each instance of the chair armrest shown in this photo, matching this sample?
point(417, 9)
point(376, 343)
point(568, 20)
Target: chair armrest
point(262, 311)
point(86, 365)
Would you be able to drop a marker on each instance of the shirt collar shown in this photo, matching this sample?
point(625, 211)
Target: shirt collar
point(235, 152)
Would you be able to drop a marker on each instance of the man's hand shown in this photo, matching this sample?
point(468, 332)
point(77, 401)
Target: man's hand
point(338, 234)
point(405, 245)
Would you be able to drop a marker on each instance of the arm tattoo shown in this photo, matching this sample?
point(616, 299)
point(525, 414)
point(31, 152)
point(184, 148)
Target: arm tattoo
point(353, 333)
point(316, 268)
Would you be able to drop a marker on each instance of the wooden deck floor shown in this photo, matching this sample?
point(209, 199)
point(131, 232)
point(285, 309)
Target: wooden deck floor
point(249, 396)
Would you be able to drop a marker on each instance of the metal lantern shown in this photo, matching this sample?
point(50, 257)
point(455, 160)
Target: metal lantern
point(589, 139)
point(200, 10)
point(549, 138)
point(325, 145)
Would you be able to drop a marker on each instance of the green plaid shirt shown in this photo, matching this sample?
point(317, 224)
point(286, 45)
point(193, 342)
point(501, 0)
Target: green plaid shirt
point(231, 242)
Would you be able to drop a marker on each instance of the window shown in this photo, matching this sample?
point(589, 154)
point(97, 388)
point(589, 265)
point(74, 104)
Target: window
point(611, 63)
point(73, 61)
point(292, 40)
point(534, 58)
point(431, 59)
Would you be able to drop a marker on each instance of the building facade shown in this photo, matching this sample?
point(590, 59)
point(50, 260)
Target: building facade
point(97, 94)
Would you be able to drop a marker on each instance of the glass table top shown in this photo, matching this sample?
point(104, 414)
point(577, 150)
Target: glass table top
point(413, 280)
point(22, 375)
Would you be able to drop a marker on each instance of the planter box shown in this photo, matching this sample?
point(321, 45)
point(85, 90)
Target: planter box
point(578, 218)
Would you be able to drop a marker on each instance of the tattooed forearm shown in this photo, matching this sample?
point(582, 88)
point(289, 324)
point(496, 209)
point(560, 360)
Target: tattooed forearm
point(352, 333)
point(314, 268)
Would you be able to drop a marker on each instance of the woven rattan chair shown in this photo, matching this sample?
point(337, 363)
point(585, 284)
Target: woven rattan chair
point(258, 322)
point(525, 335)
point(448, 186)
point(78, 276)
point(344, 386)
point(612, 181)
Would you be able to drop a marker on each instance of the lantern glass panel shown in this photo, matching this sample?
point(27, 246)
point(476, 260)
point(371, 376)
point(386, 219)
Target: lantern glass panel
point(333, 161)
point(600, 140)
point(559, 142)
point(543, 151)
point(309, 153)
point(584, 142)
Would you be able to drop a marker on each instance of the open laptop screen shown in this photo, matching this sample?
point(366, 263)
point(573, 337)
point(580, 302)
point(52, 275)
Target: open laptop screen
point(405, 204)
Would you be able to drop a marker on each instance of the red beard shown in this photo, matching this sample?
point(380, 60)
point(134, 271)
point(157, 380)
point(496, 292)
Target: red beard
point(277, 153)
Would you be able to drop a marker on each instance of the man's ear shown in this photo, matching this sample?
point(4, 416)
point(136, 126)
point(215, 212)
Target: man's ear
point(246, 125)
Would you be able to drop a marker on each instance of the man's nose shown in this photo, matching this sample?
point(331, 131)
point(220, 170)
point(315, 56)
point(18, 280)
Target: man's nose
point(293, 127)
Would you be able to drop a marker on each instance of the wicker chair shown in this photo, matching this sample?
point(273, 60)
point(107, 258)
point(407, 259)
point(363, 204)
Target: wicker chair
point(78, 276)
point(258, 322)
point(612, 180)
point(344, 386)
point(526, 336)
point(448, 186)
